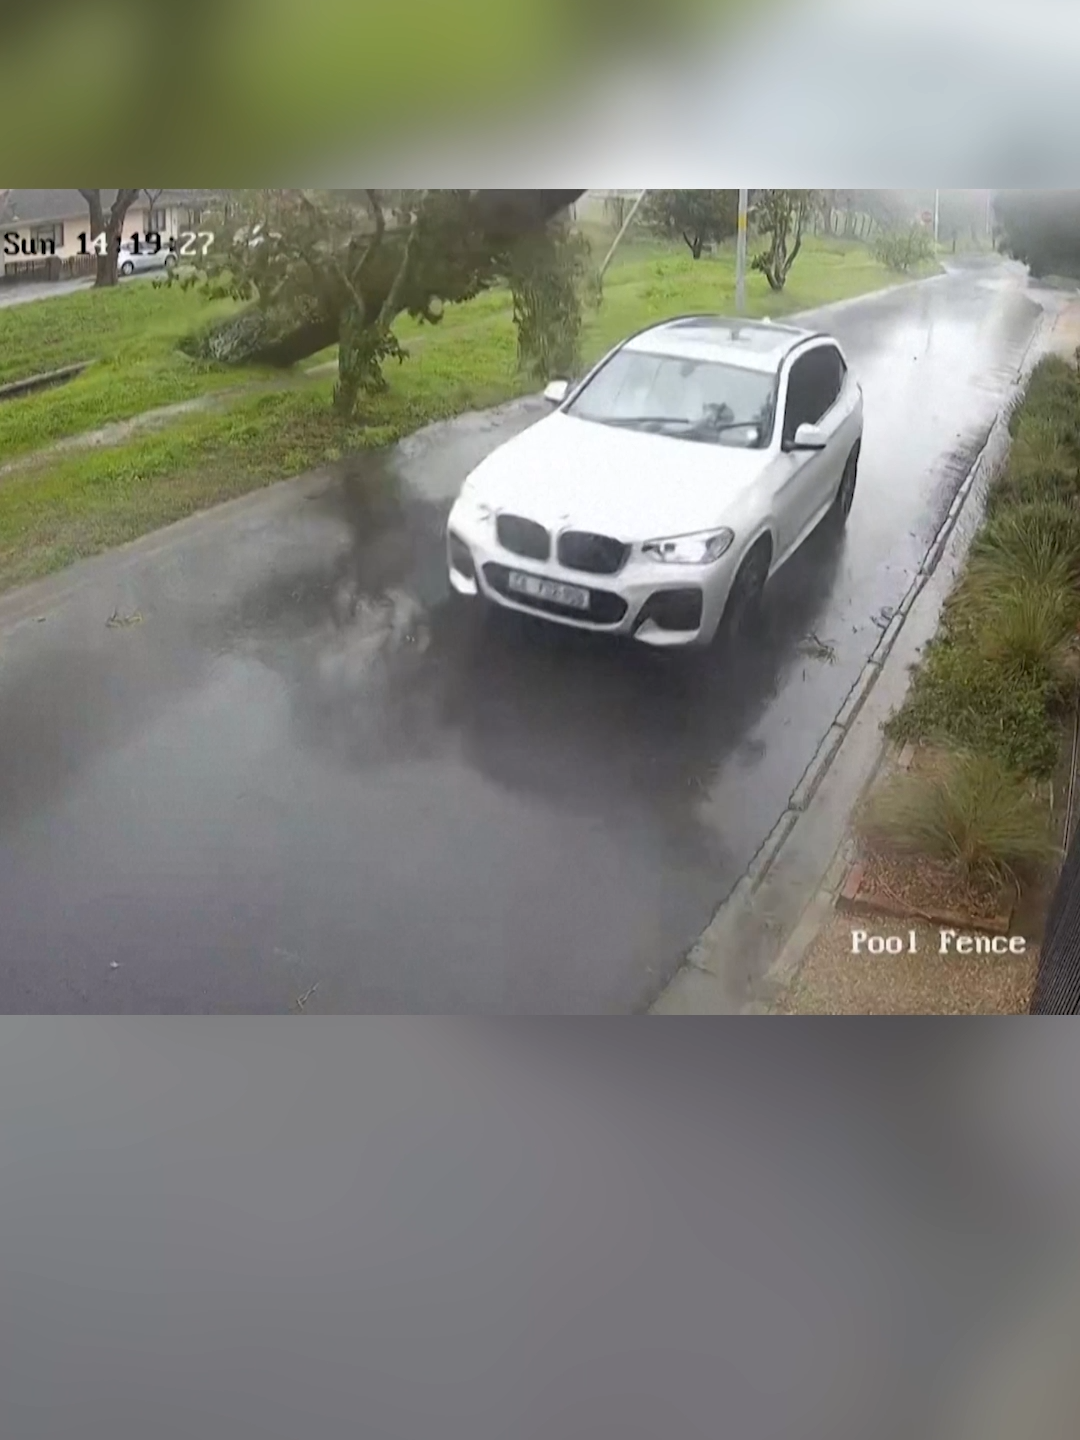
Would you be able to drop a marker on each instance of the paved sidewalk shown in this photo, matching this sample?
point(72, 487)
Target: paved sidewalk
point(838, 976)
point(26, 294)
point(1064, 338)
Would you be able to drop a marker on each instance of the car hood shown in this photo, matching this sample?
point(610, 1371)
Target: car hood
point(634, 486)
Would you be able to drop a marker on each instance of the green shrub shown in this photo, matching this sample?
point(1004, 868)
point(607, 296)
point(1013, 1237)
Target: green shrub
point(961, 697)
point(995, 680)
point(1053, 394)
point(1046, 429)
point(1028, 629)
point(903, 250)
point(971, 812)
point(1028, 543)
point(1043, 444)
point(1042, 466)
point(1011, 489)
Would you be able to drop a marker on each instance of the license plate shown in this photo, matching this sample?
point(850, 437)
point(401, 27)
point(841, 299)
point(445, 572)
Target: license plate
point(572, 596)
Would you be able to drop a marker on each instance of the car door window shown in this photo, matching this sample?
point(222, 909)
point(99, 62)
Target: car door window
point(831, 368)
point(800, 397)
point(813, 389)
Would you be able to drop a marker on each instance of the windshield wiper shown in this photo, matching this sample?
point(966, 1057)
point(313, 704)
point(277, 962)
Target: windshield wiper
point(706, 427)
point(646, 422)
point(688, 427)
point(697, 426)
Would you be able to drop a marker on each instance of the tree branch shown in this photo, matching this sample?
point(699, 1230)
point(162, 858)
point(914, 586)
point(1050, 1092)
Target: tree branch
point(348, 275)
point(390, 304)
point(120, 206)
point(309, 259)
point(375, 201)
point(358, 271)
point(97, 214)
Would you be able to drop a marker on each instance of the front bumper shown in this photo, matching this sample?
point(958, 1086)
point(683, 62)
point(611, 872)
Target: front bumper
point(658, 604)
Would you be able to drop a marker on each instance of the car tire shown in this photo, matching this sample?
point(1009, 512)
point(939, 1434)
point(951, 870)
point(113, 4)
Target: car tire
point(743, 607)
point(127, 268)
point(845, 496)
point(170, 260)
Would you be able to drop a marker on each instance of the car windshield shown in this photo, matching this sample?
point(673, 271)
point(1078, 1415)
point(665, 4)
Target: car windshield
point(692, 399)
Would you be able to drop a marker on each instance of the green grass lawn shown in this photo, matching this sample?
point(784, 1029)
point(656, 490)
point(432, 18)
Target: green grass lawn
point(130, 334)
point(82, 503)
point(135, 318)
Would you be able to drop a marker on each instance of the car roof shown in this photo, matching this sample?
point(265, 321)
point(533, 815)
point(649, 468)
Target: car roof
point(752, 344)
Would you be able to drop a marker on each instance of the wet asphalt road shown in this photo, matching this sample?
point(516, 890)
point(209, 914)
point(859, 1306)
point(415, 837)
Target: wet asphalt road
point(301, 774)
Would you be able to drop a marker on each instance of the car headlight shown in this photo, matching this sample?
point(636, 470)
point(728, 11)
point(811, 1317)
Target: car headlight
point(700, 549)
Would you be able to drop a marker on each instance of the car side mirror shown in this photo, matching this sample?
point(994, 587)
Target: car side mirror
point(809, 437)
point(557, 392)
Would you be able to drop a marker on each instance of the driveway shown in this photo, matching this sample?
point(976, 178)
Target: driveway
point(296, 774)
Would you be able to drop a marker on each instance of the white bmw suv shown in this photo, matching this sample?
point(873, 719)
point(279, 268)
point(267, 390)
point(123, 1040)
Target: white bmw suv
point(668, 486)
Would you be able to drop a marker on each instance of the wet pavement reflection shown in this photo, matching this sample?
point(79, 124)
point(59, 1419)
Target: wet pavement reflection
point(307, 776)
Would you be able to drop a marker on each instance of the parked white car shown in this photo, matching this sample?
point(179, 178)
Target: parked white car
point(670, 484)
point(135, 262)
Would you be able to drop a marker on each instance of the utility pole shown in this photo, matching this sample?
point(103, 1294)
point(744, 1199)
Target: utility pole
point(740, 253)
point(937, 215)
point(622, 232)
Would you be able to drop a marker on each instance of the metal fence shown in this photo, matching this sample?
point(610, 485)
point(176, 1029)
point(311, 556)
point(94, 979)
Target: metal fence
point(1057, 989)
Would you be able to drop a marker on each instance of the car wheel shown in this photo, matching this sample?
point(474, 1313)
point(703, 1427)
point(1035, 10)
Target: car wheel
point(170, 260)
point(744, 601)
point(127, 268)
point(846, 494)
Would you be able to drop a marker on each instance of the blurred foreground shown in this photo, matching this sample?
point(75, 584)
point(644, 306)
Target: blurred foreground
point(407, 1227)
point(803, 91)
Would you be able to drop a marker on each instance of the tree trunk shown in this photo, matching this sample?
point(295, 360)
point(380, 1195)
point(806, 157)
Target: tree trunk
point(110, 226)
point(109, 263)
point(152, 198)
point(273, 337)
point(350, 362)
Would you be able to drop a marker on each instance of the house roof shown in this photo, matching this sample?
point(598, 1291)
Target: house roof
point(27, 207)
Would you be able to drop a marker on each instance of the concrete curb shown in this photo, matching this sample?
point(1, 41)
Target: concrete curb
point(774, 913)
point(45, 381)
point(884, 290)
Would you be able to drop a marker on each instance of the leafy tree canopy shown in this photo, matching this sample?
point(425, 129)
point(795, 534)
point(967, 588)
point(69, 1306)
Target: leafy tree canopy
point(780, 216)
point(318, 268)
point(699, 217)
